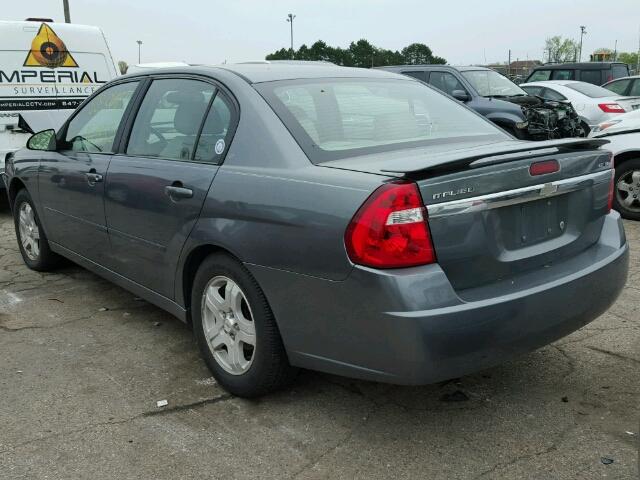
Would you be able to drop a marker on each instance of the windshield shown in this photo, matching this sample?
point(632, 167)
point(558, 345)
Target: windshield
point(336, 118)
point(491, 84)
point(589, 90)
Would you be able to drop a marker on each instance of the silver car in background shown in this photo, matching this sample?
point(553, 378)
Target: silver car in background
point(592, 103)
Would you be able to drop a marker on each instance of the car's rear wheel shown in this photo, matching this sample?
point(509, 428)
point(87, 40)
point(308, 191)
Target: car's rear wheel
point(32, 240)
point(627, 189)
point(235, 329)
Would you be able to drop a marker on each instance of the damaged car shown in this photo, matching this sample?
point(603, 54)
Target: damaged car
point(496, 97)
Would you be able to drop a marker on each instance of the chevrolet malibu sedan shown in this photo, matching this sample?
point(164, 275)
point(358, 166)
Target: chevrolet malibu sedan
point(351, 221)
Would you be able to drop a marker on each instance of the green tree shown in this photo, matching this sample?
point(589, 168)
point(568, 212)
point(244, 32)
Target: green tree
point(560, 49)
point(630, 58)
point(359, 54)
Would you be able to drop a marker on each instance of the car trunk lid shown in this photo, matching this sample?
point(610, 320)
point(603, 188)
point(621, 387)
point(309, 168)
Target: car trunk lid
point(492, 220)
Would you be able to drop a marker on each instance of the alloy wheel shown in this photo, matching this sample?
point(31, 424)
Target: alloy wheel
point(628, 190)
point(29, 231)
point(228, 325)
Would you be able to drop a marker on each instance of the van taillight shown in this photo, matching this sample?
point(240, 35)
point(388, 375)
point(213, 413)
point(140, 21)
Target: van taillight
point(390, 229)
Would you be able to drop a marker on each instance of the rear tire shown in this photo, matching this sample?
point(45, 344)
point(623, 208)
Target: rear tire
point(235, 329)
point(626, 186)
point(32, 241)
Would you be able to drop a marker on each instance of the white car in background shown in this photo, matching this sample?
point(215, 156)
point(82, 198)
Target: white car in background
point(593, 104)
point(623, 134)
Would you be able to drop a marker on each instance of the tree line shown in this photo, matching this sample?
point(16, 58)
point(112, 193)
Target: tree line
point(360, 54)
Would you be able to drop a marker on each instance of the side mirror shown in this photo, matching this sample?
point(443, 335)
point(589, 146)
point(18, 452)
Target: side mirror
point(44, 140)
point(460, 95)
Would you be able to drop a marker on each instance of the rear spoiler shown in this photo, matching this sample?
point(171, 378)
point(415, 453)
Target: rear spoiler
point(457, 160)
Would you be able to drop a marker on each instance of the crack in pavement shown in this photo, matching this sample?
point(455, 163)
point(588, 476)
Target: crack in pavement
point(553, 447)
point(619, 356)
point(152, 413)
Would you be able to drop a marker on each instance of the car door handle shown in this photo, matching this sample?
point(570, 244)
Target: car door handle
point(93, 177)
point(175, 192)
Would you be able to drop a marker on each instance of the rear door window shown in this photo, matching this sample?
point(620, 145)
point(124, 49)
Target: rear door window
point(540, 76)
point(635, 89)
point(591, 76)
point(619, 86)
point(563, 75)
point(169, 119)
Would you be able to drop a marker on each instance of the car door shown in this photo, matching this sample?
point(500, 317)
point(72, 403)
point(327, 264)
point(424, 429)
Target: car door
point(157, 184)
point(71, 180)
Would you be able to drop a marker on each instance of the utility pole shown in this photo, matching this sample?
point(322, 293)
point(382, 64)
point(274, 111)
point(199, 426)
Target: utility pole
point(139, 42)
point(638, 57)
point(67, 14)
point(509, 66)
point(290, 18)
point(583, 31)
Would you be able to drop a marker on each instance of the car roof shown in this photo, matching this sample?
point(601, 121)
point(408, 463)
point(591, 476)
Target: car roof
point(578, 65)
point(261, 72)
point(269, 72)
point(431, 66)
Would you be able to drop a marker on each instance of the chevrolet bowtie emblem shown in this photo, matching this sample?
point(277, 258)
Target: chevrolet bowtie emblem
point(48, 50)
point(548, 189)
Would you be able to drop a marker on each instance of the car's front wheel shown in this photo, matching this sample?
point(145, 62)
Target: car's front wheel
point(32, 240)
point(235, 329)
point(627, 189)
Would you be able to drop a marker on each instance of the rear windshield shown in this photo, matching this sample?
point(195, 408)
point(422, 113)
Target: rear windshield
point(589, 90)
point(337, 118)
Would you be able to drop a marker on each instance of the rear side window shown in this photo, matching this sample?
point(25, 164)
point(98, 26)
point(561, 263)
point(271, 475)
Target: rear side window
point(589, 90)
point(540, 76)
point(446, 82)
point(619, 71)
point(535, 91)
point(635, 89)
point(563, 75)
point(591, 76)
point(619, 86)
point(337, 118)
point(94, 128)
point(416, 74)
point(216, 132)
point(550, 94)
point(169, 119)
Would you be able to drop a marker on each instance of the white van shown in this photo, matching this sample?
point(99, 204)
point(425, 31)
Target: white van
point(46, 70)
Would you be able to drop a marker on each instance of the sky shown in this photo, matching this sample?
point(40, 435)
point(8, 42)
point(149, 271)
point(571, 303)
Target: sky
point(464, 32)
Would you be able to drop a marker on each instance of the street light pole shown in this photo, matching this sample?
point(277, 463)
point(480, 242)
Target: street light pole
point(583, 30)
point(290, 18)
point(67, 14)
point(139, 42)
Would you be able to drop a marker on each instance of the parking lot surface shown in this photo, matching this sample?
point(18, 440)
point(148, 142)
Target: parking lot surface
point(84, 362)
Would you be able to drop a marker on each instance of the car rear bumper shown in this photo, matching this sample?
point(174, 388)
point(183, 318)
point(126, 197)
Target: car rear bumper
point(410, 327)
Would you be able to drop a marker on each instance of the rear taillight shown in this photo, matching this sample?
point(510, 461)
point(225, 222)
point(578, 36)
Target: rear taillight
point(390, 229)
point(611, 185)
point(611, 108)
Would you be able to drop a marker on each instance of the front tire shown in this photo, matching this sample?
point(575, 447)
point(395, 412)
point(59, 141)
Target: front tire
point(32, 240)
point(626, 198)
point(235, 329)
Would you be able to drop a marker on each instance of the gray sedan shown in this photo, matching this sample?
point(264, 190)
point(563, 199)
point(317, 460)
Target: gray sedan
point(351, 221)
